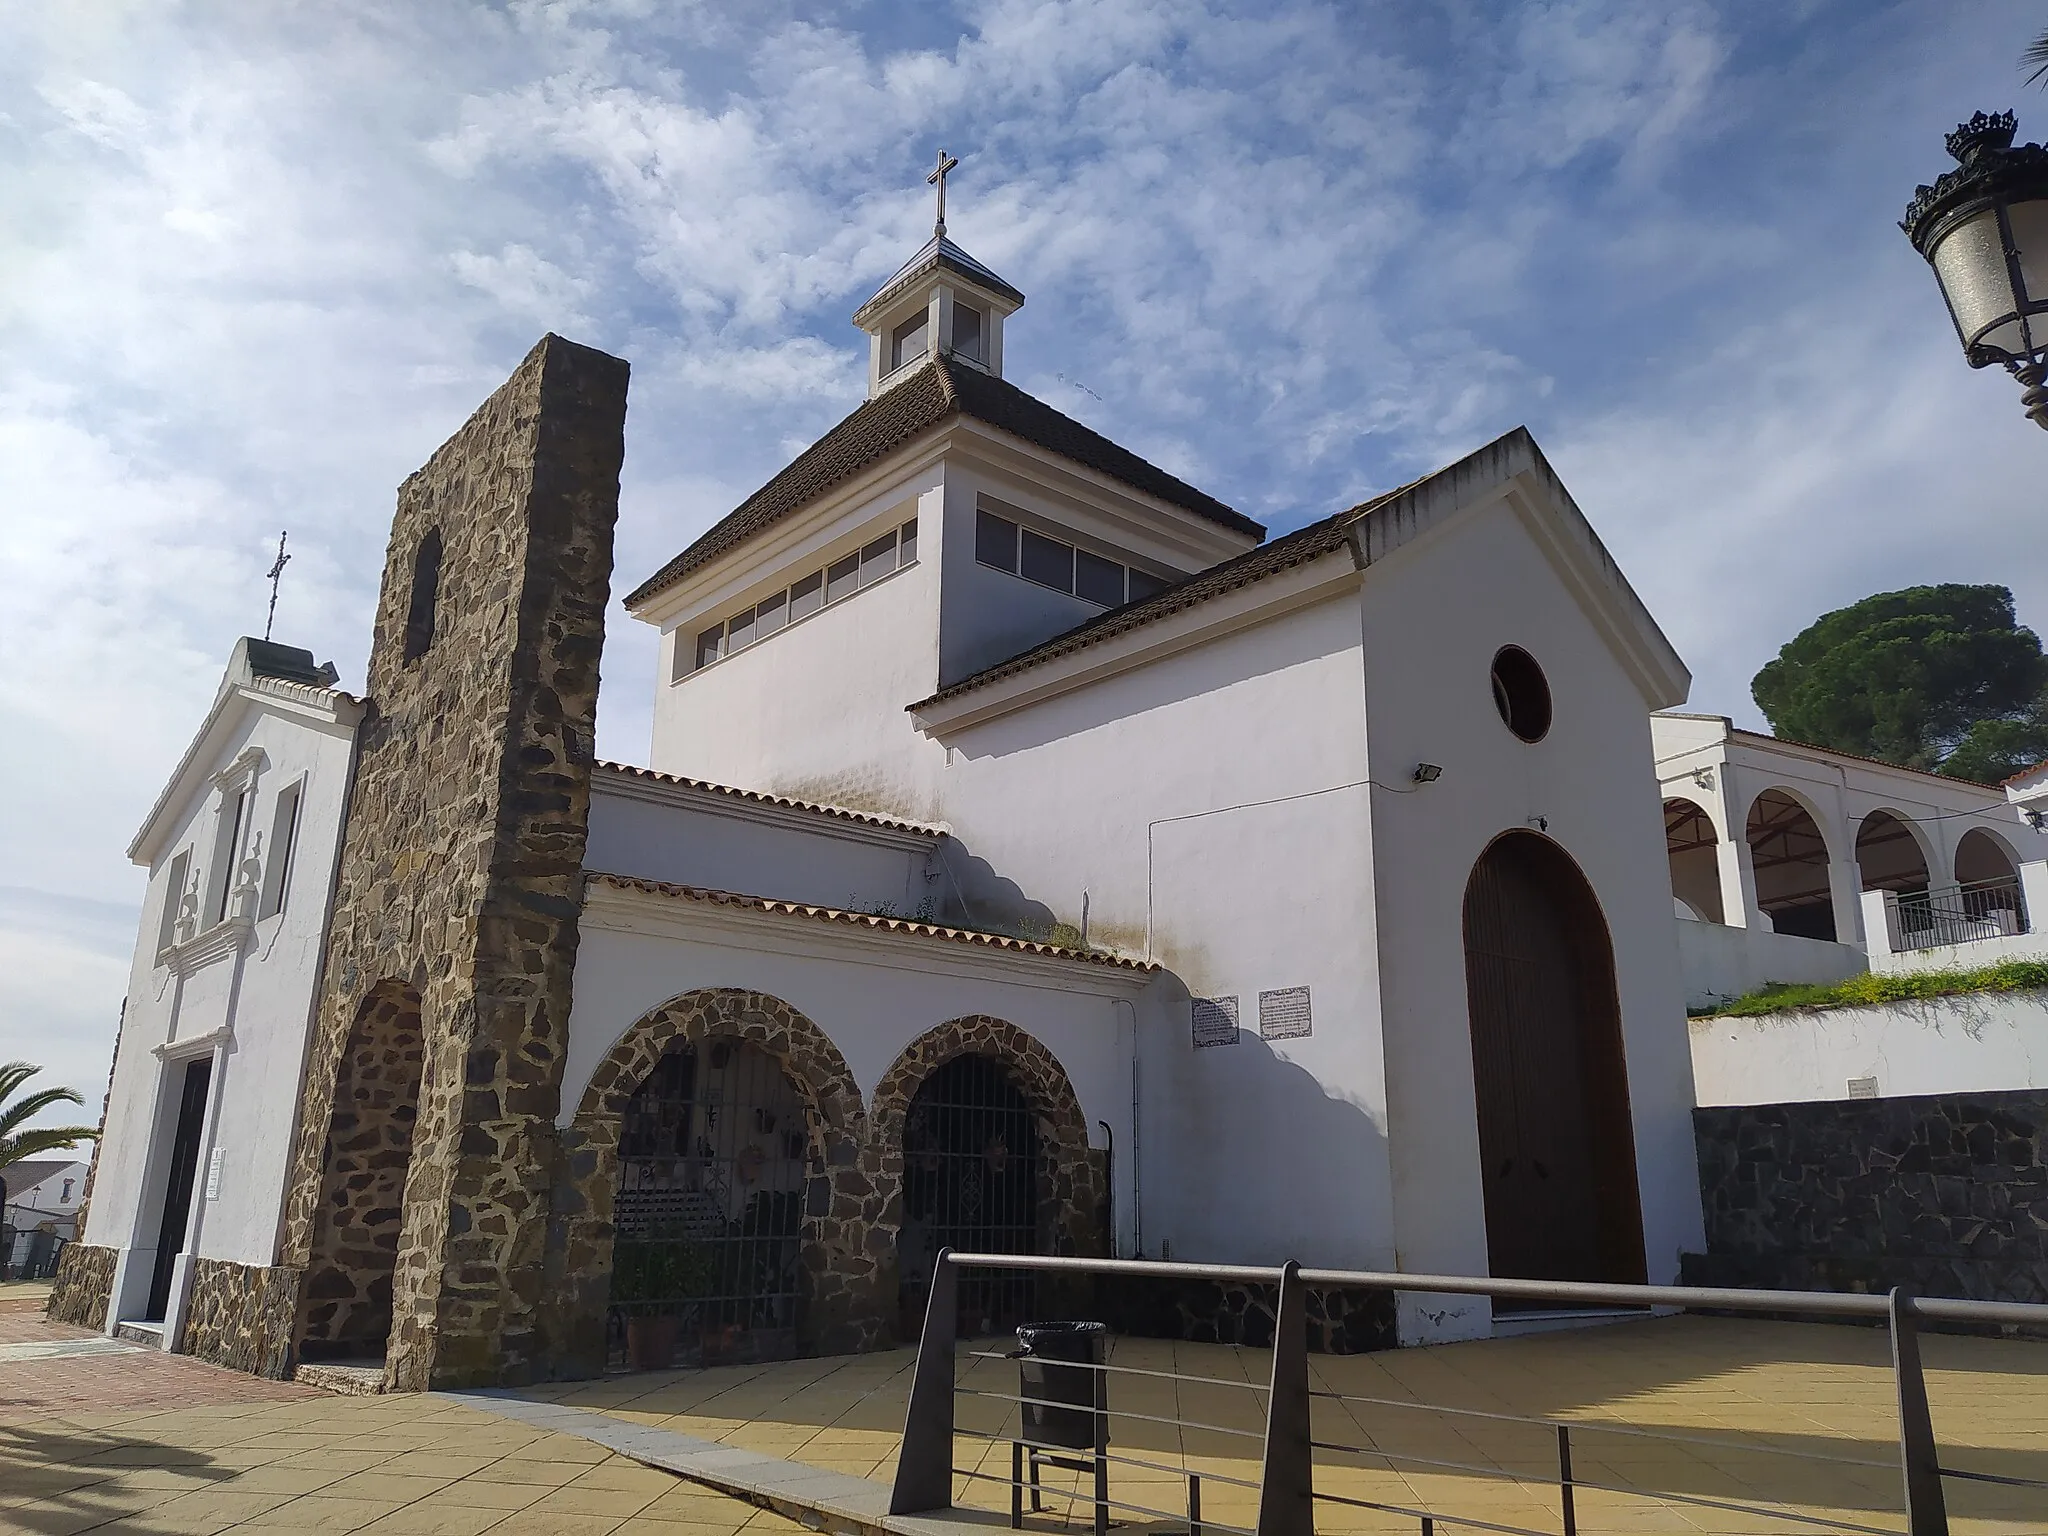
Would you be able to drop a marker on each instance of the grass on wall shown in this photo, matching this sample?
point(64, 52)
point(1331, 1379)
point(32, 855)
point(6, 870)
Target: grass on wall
point(1888, 987)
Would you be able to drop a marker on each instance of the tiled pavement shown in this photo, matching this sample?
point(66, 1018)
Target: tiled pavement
point(1740, 1394)
point(158, 1445)
point(263, 1456)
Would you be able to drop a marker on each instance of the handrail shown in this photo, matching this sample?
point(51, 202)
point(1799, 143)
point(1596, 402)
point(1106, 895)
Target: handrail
point(924, 1470)
point(1692, 1297)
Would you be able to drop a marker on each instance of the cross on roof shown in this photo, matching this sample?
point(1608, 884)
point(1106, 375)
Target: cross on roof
point(938, 179)
point(275, 573)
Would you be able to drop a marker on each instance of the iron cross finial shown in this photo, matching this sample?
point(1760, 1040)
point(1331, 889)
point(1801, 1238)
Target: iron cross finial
point(938, 179)
point(274, 573)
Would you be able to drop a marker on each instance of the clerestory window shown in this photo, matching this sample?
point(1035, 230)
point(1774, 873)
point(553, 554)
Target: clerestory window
point(1003, 544)
point(839, 580)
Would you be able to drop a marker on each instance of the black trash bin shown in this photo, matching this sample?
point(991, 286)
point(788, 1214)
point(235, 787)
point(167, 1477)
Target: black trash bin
point(1059, 1400)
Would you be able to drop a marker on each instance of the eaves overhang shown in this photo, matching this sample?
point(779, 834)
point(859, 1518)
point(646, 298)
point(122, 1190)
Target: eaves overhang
point(602, 887)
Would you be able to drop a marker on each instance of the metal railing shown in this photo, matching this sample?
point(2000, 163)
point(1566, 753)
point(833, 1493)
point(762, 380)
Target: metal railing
point(1961, 914)
point(1286, 1485)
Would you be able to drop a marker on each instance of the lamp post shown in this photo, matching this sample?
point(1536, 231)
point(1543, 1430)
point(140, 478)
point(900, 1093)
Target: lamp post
point(1983, 227)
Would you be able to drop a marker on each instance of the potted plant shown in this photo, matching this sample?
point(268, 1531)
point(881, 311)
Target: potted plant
point(656, 1276)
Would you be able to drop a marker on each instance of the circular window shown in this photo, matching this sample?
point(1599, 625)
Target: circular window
point(1521, 694)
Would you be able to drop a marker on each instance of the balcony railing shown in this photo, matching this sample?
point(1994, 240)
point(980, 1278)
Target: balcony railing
point(1285, 1492)
point(1961, 914)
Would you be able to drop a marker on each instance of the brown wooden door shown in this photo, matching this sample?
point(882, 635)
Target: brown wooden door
point(1556, 1142)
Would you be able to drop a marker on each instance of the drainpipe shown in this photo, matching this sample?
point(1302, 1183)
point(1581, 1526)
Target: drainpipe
point(1137, 1160)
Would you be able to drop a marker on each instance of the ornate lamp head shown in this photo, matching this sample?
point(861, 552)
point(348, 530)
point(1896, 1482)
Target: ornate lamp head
point(1983, 227)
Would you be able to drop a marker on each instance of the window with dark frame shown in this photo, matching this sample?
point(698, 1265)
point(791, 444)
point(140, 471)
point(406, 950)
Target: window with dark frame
point(1004, 545)
point(1144, 585)
point(995, 541)
point(1098, 580)
point(1045, 561)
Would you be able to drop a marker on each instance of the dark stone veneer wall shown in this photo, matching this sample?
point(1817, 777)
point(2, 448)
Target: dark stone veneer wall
point(84, 1287)
point(240, 1316)
point(1946, 1193)
point(461, 866)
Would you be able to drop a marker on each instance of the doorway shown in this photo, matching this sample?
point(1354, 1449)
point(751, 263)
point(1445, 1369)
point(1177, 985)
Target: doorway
point(360, 1222)
point(970, 1182)
point(708, 1242)
point(184, 1172)
point(1556, 1139)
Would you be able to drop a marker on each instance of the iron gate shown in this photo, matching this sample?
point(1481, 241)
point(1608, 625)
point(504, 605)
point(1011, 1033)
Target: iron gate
point(970, 1181)
point(705, 1257)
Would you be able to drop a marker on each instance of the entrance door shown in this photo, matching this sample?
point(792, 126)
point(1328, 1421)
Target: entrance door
point(970, 1182)
point(1556, 1142)
point(706, 1259)
point(170, 1239)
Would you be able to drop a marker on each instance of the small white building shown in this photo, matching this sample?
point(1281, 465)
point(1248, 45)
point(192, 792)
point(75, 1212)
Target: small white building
point(43, 1194)
point(240, 849)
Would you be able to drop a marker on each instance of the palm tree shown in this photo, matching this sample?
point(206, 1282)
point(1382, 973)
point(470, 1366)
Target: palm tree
point(18, 1143)
point(2037, 55)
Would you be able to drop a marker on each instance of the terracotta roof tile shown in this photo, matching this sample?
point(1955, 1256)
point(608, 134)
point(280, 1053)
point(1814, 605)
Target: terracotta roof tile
point(762, 797)
point(903, 925)
point(935, 394)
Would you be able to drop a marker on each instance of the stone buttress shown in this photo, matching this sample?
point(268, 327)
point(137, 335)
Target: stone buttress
point(459, 878)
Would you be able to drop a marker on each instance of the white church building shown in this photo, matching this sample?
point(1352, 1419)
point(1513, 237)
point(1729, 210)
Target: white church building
point(1031, 855)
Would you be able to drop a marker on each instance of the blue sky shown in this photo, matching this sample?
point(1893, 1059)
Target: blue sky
point(260, 260)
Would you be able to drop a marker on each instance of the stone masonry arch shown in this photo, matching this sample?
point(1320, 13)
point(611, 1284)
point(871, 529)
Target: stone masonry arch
point(1073, 1185)
point(841, 1266)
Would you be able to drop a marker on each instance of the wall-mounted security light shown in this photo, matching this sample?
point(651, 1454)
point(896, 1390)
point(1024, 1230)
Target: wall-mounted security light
point(1428, 773)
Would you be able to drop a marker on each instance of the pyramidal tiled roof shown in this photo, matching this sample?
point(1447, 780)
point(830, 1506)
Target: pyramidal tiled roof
point(937, 252)
point(940, 391)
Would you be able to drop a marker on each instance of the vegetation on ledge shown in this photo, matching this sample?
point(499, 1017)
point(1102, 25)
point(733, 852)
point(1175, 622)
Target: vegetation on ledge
point(1888, 987)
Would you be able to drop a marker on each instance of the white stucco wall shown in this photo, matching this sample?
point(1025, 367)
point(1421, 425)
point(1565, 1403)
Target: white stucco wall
point(815, 710)
point(1720, 963)
point(700, 837)
point(247, 1003)
point(1435, 614)
point(1158, 782)
point(1980, 1043)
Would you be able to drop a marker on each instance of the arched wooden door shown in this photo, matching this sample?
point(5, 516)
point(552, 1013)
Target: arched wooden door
point(1556, 1141)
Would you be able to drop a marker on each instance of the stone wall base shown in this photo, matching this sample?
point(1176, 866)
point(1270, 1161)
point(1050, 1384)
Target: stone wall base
point(84, 1287)
point(242, 1315)
point(1346, 1322)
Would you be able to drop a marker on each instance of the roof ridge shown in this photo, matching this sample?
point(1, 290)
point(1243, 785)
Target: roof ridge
point(770, 797)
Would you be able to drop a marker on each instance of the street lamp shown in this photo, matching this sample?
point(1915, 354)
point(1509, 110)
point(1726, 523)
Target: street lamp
point(1983, 227)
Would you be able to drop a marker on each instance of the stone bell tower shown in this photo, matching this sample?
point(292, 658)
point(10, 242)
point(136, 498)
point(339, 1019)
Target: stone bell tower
point(418, 1209)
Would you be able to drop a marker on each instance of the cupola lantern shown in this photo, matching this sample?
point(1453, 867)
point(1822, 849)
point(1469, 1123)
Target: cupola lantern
point(940, 303)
